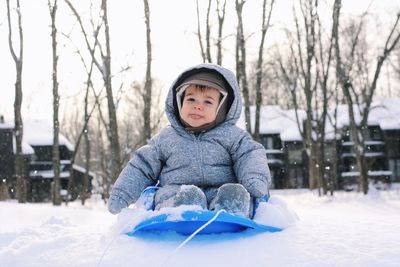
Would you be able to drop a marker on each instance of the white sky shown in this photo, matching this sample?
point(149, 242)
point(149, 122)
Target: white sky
point(175, 46)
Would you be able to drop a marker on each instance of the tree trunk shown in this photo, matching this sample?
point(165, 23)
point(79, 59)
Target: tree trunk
point(345, 81)
point(259, 70)
point(112, 114)
point(85, 184)
point(208, 33)
point(20, 170)
point(203, 54)
point(241, 63)
point(221, 19)
point(56, 127)
point(147, 96)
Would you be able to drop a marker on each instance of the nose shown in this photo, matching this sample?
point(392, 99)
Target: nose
point(198, 106)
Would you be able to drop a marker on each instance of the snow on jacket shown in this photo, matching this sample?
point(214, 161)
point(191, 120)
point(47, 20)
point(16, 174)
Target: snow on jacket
point(224, 154)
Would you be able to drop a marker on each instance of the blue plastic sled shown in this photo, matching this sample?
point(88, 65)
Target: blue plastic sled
point(192, 220)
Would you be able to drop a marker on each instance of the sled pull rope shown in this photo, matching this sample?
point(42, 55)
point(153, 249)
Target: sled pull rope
point(114, 236)
point(192, 236)
point(117, 234)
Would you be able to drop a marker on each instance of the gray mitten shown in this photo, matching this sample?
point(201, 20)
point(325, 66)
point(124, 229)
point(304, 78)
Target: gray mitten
point(116, 204)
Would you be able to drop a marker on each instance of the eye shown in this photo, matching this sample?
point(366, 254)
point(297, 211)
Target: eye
point(208, 102)
point(189, 99)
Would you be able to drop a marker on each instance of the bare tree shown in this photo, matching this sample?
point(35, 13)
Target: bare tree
point(208, 33)
point(299, 76)
point(199, 35)
point(106, 72)
point(265, 23)
point(206, 54)
point(56, 186)
point(85, 132)
point(206, 49)
point(132, 137)
point(395, 66)
point(363, 99)
point(241, 62)
point(104, 66)
point(306, 76)
point(18, 127)
point(325, 83)
point(221, 19)
point(148, 83)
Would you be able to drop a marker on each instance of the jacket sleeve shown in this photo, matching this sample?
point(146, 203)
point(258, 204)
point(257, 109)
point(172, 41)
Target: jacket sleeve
point(142, 170)
point(250, 165)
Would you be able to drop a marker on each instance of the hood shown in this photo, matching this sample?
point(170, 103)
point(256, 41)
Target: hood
point(235, 103)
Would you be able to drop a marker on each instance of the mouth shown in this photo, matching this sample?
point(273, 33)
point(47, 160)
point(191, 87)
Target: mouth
point(195, 116)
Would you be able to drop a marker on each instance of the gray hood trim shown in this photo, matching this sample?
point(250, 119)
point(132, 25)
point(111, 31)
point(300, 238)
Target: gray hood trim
point(235, 109)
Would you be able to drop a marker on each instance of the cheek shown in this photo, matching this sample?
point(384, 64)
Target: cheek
point(184, 108)
point(212, 113)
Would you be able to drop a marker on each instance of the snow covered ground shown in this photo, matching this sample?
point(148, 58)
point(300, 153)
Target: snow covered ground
point(348, 229)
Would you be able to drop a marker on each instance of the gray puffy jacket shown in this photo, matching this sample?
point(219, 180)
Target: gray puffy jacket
point(224, 154)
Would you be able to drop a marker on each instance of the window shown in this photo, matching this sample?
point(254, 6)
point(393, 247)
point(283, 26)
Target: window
point(346, 136)
point(271, 141)
point(330, 152)
point(295, 153)
point(377, 164)
point(350, 164)
point(372, 133)
point(369, 133)
point(45, 153)
point(393, 143)
point(374, 148)
point(394, 167)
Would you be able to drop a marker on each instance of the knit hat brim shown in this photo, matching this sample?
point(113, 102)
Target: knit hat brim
point(206, 79)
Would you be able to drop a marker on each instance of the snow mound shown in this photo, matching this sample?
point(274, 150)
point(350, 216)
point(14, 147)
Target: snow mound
point(130, 217)
point(57, 221)
point(275, 213)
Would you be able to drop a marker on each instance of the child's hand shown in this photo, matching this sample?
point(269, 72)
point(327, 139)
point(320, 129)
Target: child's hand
point(116, 204)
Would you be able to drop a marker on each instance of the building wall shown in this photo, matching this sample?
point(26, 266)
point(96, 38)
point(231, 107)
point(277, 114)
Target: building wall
point(382, 150)
point(6, 154)
point(392, 138)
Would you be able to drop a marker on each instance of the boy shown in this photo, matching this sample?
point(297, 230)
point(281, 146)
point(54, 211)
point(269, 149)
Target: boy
point(202, 158)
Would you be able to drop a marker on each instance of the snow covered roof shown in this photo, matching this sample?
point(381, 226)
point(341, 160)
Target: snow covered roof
point(5, 125)
point(26, 148)
point(82, 170)
point(384, 112)
point(274, 120)
point(37, 133)
point(40, 133)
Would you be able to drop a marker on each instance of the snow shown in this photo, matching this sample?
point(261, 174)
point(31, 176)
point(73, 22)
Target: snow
point(36, 133)
point(40, 132)
point(347, 229)
point(48, 174)
point(384, 112)
point(370, 173)
point(4, 125)
point(275, 120)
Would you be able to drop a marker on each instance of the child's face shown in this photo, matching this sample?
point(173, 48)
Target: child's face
point(199, 106)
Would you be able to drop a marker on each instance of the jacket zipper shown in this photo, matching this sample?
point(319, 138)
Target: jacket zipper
point(199, 157)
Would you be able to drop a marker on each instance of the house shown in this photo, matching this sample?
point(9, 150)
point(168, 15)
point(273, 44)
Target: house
point(288, 162)
point(37, 153)
point(281, 138)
